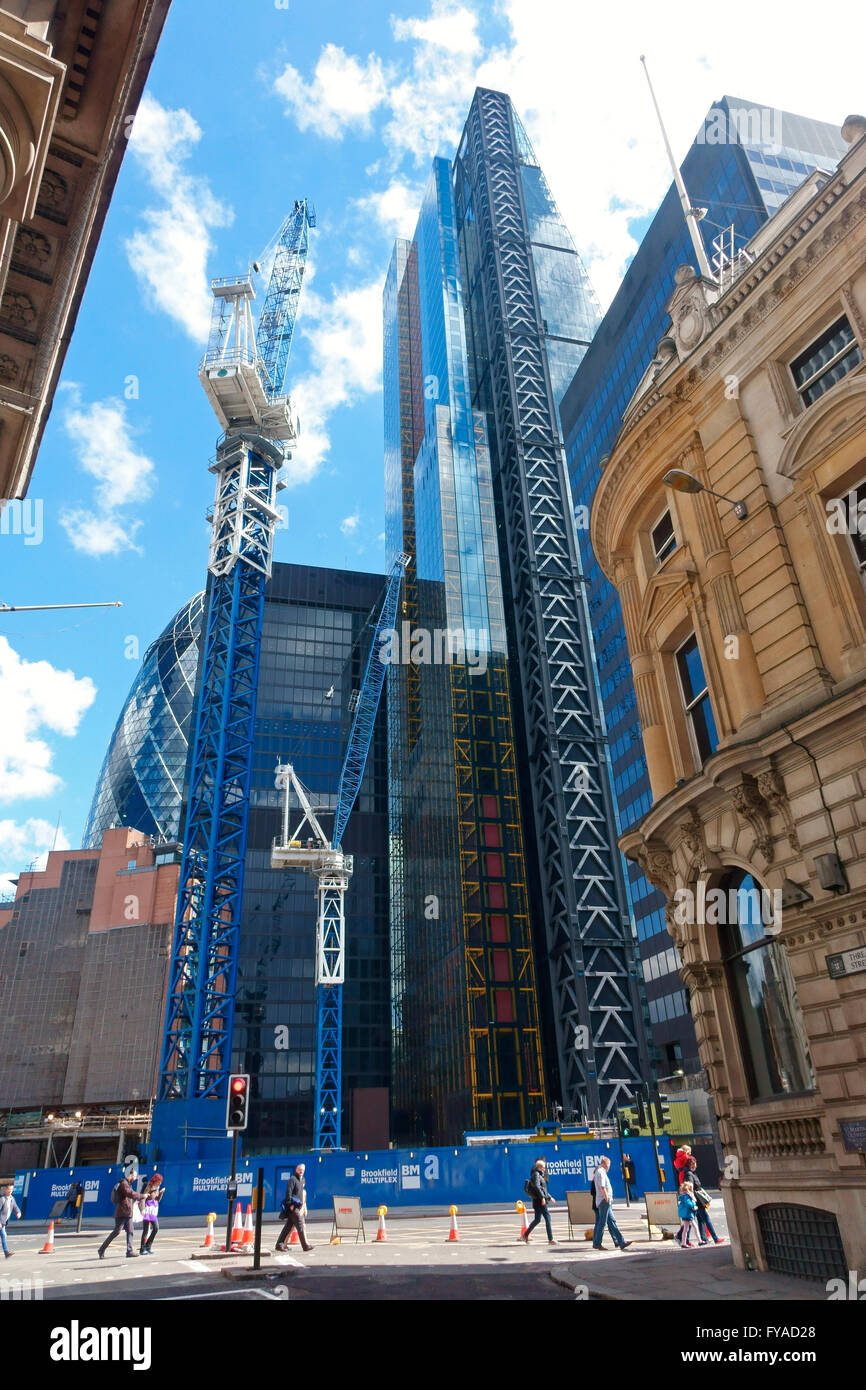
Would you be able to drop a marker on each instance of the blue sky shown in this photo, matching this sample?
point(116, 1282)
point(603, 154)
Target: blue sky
point(344, 103)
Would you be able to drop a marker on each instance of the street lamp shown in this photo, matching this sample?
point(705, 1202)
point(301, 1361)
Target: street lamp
point(681, 481)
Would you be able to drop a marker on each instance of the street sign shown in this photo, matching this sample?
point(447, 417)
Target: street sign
point(347, 1217)
point(853, 1135)
point(661, 1210)
point(847, 963)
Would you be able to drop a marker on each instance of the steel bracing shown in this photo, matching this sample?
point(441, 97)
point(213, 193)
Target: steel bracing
point(583, 904)
point(243, 377)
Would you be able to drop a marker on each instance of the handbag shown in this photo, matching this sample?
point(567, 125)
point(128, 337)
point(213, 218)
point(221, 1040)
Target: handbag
point(136, 1214)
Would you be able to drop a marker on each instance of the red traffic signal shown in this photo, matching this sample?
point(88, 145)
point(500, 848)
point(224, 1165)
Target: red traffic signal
point(237, 1110)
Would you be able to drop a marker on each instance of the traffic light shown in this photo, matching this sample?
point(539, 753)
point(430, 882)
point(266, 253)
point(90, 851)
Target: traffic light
point(625, 1127)
point(237, 1109)
point(663, 1110)
point(639, 1110)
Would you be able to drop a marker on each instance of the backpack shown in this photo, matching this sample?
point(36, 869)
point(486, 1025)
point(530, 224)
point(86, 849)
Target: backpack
point(528, 1188)
point(116, 1194)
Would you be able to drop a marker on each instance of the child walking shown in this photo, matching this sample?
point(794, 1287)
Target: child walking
point(687, 1210)
point(150, 1200)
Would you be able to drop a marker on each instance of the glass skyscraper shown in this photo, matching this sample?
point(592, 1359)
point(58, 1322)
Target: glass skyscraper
point(745, 161)
point(487, 314)
point(140, 783)
point(467, 1051)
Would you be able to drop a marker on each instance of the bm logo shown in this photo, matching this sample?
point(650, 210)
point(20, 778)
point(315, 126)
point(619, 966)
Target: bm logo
point(410, 1173)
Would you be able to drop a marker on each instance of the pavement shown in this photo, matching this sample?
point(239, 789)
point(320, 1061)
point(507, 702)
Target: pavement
point(417, 1261)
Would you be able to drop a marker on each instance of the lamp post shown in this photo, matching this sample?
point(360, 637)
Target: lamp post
point(680, 481)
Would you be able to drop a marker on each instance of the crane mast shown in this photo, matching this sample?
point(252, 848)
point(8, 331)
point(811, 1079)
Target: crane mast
point(243, 375)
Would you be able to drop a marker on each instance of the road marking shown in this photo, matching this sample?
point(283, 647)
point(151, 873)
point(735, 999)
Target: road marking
point(222, 1293)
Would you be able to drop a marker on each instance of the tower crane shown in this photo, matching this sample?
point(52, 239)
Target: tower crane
point(243, 374)
point(309, 847)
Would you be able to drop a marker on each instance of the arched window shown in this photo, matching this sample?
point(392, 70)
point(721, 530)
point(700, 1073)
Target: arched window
point(767, 1013)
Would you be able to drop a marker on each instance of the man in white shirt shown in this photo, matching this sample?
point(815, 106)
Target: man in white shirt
point(603, 1213)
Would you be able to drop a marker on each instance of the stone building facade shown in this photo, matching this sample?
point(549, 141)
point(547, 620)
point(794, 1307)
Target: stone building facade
point(747, 638)
point(71, 77)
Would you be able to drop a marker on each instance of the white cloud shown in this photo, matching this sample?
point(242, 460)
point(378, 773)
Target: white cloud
point(35, 696)
point(102, 440)
point(169, 255)
point(344, 92)
point(395, 208)
point(26, 843)
point(345, 337)
point(454, 29)
point(349, 524)
point(575, 78)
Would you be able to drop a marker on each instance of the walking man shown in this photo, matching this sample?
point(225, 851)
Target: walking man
point(8, 1205)
point(124, 1196)
point(536, 1188)
point(603, 1213)
point(294, 1205)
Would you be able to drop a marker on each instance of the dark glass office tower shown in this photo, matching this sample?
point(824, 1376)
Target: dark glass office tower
point(744, 162)
point(467, 1051)
point(315, 637)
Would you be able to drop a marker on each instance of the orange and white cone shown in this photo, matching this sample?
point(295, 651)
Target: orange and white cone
point(453, 1233)
point(381, 1233)
point(249, 1233)
point(521, 1207)
point(209, 1240)
point(237, 1227)
point(293, 1238)
point(48, 1247)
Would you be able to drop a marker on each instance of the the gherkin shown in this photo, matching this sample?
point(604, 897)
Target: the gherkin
point(140, 783)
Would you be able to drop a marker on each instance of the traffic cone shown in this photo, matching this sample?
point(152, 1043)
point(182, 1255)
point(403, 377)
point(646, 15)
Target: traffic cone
point(249, 1234)
point(293, 1238)
point(209, 1240)
point(237, 1227)
point(521, 1207)
point(382, 1234)
point(48, 1247)
point(453, 1234)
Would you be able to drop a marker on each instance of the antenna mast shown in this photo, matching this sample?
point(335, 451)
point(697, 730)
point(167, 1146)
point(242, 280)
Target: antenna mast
point(691, 214)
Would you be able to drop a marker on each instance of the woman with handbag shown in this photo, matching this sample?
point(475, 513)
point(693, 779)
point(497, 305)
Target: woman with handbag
point(702, 1198)
point(149, 1201)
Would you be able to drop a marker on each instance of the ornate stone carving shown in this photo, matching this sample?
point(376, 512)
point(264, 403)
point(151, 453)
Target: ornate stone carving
point(657, 866)
point(703, 974)
point(32, 246)
point(784, 1138)
point(750, 804)
point(692, 831)
point(771, 785)
point(17, 308)
point(54, 190)
point(9, 369)
point(690, 310)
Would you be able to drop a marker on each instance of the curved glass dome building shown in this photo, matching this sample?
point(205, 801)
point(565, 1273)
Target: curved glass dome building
point(140, 783)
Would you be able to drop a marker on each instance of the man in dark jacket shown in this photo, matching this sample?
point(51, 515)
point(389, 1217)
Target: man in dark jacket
point(293, 1205)
point(541, 1201)
point(122, 1220)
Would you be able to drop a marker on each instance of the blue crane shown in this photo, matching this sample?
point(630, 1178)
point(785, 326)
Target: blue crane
point(323, 856)
point(243, 374)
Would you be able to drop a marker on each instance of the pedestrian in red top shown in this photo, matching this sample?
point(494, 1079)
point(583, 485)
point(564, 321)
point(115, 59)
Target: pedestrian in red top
point(681, 1163)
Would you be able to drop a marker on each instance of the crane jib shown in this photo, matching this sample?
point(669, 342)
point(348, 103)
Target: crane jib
point(361, 733)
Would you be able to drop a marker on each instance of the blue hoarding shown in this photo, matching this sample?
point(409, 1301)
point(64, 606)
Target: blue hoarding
point(397, 1177)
